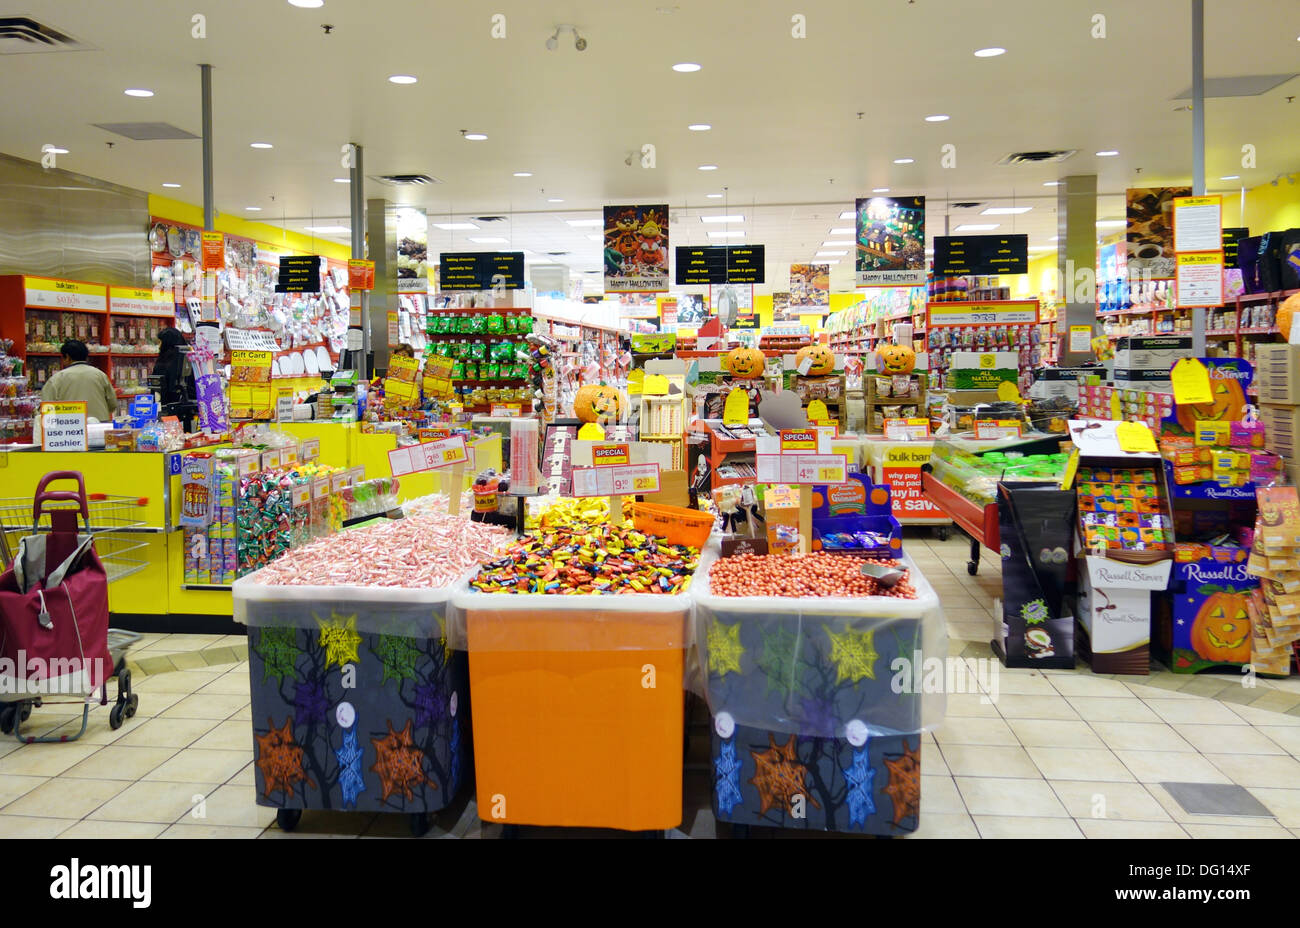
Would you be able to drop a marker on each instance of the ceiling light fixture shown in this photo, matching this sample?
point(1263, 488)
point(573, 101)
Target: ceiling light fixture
point(63, 151)
point(401, 79)
point(848, 214)
point(584, 223)
point(307, 4)
point(1005, 210)
point(523, 173)
point(1052, 183)
point(977, 227)
point(904, 160)
point(171, 185)
point(735, 217)
point(714, 196)
point(876, 190)
point(455, 226)
point(992, 52)
point(1230, 177)
point(138, 92)
point(260, 145)
point(1108, 153)
point(841, 232)
point(253, 209)
point(328, 230)
point(699, 127)
point(937, 117)
point(686, 67)
point(342, 180)
point(554, 200)
point(708, 167)
point(473, 136)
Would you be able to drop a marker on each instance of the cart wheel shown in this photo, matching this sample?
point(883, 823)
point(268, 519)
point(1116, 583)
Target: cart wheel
point(419, 824)
point(129, 707)
point(972, 568)
point(288, 819)
point(115, 716)
point(7, 717)
point(944, 532)
point(124, 684)
point(24, 711)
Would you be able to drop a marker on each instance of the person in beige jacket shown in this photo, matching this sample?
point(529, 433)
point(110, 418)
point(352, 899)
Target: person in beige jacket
point(81, 383)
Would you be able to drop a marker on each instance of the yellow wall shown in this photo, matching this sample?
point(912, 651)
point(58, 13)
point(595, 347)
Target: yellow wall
point(1268, 208)
point(763, 306)
point(296, 242)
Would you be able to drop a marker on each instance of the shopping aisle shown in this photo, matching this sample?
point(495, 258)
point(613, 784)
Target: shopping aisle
point(1055, 754)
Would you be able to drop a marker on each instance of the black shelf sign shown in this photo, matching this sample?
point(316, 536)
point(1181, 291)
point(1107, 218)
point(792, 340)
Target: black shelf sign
point(1231, 238)
point(735, 264)
point(481, 270)
point(299, 274)
point(982, 255)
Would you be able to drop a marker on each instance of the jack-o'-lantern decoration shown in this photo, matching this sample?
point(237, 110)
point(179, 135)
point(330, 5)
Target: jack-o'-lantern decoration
point(1285, 313)
point(896, 359)
point(597, 403)
point(1221, 631)
point(744, 362)
point(1227, 405)
point(821, 360)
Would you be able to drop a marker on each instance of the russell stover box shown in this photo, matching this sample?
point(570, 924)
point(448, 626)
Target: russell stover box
point(1035, 524)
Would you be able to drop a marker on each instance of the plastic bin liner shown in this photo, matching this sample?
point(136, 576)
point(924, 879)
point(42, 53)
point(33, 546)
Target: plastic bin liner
point(827, 667)
point(409, 613)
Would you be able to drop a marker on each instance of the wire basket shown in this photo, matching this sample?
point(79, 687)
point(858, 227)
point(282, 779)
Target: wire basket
point(115, 521)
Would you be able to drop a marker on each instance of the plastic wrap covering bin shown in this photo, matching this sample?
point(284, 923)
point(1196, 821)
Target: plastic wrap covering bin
point(818, 705)
point(358, 703)
point(578, 707)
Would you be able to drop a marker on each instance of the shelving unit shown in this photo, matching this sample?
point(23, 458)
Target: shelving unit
point(734, 451)
point(438, 342)
point(1239, 308)
point(40, 313)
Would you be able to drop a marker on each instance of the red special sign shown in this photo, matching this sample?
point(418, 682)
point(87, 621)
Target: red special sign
point(602, 455)
point(798, 440)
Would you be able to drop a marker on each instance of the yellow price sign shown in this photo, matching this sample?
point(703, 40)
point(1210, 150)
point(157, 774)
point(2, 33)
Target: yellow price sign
point(1135, 437)
point(830, 474)
point(452, 454)
point(645, 483)
point(1191, 382)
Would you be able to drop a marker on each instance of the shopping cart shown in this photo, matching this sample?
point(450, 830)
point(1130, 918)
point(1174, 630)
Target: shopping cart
point(54, 635)
point(115, 522)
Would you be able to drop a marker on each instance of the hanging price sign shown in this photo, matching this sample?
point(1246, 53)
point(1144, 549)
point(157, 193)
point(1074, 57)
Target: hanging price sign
point(429, 455)
point(616, 480)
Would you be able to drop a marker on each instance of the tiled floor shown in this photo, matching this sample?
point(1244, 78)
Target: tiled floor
point(1062, 754)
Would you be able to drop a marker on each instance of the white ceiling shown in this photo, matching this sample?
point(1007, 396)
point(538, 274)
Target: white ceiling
point(791, 149)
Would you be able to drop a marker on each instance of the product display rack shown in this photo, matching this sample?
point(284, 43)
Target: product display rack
point(1250, 307)
point(733, 451)
point(1001, 325)
point(463, 385)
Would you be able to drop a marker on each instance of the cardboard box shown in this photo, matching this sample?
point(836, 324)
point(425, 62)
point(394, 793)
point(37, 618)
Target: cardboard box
point(1209, 622)
point(1282, 429)
point(1114, 609)
point(1277, 373)
point(674, 489)
point(1142, 379)
point(1151, 352)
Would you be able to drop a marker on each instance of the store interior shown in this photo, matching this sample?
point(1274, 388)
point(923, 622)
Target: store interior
point(591, 420)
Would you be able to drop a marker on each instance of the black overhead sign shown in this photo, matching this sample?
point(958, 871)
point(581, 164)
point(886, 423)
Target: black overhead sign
point(299, 274)
point(475, 270)
point(955, 255)
point(1231, 238)
point(737, 264)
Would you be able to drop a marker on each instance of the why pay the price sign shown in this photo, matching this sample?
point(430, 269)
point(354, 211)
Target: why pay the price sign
point(63, 426)
point(616, 480)
point(429, 455)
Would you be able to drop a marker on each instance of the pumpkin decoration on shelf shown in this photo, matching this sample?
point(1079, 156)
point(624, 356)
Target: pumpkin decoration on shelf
point(1228, 404)
point(744, 362)
point(821, 360)
point(1221, 631)
point(598, 403)
point(896, 359)
point(1285, 313)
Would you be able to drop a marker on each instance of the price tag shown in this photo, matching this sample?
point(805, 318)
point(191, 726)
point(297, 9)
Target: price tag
point(434, 434)
point(301, 495)
point(270, 460)
point(249, 464)
point(907, 429)
point(802, 468)
point(320, 488)
point(992, 429)
point(1191, 382)
point(798, 440)
point(591, 432)
point(505, 411)
point(1008, 392)
point(288, 457)
point(431, 455)
point(616, 480)
point(655, 385)
point(817, 411)
point(1071, 468)
point(608, 455)
point(736, 409)
point(1135, 437)
point(311, 449)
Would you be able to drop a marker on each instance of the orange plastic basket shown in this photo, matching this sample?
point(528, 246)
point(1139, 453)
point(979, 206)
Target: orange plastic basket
point(674, 524)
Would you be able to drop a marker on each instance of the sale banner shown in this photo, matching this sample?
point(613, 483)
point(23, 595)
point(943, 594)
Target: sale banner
point(901, 470)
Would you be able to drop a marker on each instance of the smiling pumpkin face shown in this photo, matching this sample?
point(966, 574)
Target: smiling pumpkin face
point(821, 360)
point(1221, 631)
point(1227, 404)
point(745, 363)
point(597, 403)
point(897, 359)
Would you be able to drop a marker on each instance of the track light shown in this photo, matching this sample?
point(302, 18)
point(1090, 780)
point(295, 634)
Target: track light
point(554, 41)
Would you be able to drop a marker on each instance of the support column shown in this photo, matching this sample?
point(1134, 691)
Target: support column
point(1198, 144)
point(1076, 259)
point(209, 206)
point(357, 217)
point(381, 224)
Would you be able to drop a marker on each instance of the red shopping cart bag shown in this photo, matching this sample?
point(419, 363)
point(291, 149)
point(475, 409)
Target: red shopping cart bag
point(54, 606)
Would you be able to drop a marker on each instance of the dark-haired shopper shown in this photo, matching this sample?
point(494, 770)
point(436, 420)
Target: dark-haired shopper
point(79, 382)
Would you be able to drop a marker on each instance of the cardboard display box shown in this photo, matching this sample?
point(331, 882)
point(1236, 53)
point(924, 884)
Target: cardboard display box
point(1151, 352)
point(1277, 373)
point(1114, 610)
point(1282, 426)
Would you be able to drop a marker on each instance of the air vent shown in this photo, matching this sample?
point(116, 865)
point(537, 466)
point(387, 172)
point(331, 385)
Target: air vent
point(967, 205)
point(1253, 86)
point(145, 131)
point(490, 218)
point(556, 254)
point(405, 180)
point(22, 36)
point(1038, 157)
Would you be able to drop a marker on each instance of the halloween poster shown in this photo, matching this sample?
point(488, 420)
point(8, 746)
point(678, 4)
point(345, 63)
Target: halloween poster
point(1279, 515)
point(1150, 230)
point(890, 241)
point(810, 288)
point(636, 249)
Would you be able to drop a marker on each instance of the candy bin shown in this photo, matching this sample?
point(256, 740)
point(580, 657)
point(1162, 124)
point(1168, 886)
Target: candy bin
point(820, 681)
point(358, 703)
point(576, 641)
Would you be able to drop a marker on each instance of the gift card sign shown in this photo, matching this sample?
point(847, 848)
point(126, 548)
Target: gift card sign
point(615, 480)
point(63, 426)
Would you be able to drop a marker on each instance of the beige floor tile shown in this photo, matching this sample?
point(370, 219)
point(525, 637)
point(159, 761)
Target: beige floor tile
point(1151, 692)
point(1277, 771)
point(1015, 706)
point(168, 733)
point(970, 631)
point(1097, 800)
point(974, 731)
point(228, 736)
point(986, 760)
point(235, 806)
point(1078, 764)
point(932, 761)
point(13, 786)
point(1266, 717)
point(66, 798)
point(1228, 739)
point(1141, 736)
point(174, 682)
point(1014, 826)
point(244, 715)
point(46, 760)
point(1234, 832)
point(997, 796)
point(120, 762)
point(1274, 701)
point(1285, 736)
point(1022, 682)
point(1195, 711)
point(1098, 828)
point(939, 794)
point(195, 832)
point(192, 642)
point(944, 825)
point(1283, 803)
point(153, 802)
point(194, 765)
point(1050, 733)
point(1108, 709)
point(113, 830)
point(155, 703)
point(29, 826)
point(216, 706)
point(1171, 766)
point(1085, 684)
point(969, 705)
point(230, 685)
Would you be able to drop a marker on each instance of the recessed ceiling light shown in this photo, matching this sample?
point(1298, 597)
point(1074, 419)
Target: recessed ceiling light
point(402, 79)
point(171, 185)
point(937, 117)
point(454, 226)
point(138, 92)
point(342, 180)
point(841, 232)
point(837, 244)
point(831, 254)
point(307, 4)
point(736, 234)
point(977, 227)
point(1108, 153)
point(328, 230)
point(904, 160)
point(848, 214)
point(699, 127)
point(708, 167)
point(579, 223)
point(990, 52)
point(475, 137)
point(1005, 210)
point(253, 209)
point(873, 190)
point(734, 217)
point(554, 200)
point(488, 240)
point(1052, 183)
point(1230, 177)
point(714, 196)
point(1111, 223)
point(260, 145)
point(685, 67)
point(523, 173)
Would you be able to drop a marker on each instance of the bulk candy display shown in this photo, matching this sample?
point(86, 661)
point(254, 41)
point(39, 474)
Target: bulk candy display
point(814, 575)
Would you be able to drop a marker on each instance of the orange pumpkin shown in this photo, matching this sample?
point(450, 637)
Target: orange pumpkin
point(597, 403)
point(1221, 631)
point(745, 362)
point(896, 359)
point(1285, 312)
point(821, 360)
point(1227, 405)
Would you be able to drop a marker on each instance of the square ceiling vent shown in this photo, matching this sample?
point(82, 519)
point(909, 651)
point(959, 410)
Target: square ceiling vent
point(21, 35)
point(145, 131)
point(1038, 157)
point(404, 180)
point(1245, 86)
